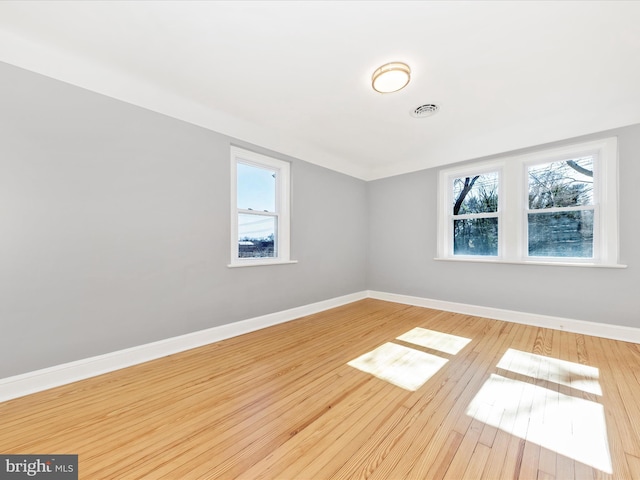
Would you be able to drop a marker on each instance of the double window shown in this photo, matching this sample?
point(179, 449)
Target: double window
point(260, 209)
point(553, 206)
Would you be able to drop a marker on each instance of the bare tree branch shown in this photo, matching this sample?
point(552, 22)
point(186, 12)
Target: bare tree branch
point(579, 169)
point(468, 185)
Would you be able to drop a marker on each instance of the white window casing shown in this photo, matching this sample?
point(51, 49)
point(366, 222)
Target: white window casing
point(281, 214)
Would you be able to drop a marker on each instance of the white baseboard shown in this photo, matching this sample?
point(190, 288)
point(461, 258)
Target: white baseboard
point(604, 330)
point(31, 382)
point(36, 381)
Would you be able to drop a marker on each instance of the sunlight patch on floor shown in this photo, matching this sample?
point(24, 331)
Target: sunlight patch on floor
point(444, 342)
point(399, 365)
point(569, 425)
point(562, 372)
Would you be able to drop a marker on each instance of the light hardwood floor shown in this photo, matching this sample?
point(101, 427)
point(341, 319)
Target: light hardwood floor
point(294, 401)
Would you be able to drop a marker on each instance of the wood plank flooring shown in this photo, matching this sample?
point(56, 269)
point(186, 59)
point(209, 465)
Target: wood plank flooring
point(337, 395)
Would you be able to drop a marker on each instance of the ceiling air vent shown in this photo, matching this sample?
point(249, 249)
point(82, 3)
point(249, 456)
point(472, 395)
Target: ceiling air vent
point(425, 110)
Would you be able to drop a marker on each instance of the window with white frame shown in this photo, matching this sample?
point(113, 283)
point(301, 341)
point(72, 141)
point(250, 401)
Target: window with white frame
point(260, 188)
point(475, 215)
point(552, 206)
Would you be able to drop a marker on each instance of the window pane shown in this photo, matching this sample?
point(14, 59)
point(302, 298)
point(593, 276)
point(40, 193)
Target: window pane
point(475, 236)
point(477, 194)
point(256, 235)
point(256, 188)
point(561, 184)
point(561, 234)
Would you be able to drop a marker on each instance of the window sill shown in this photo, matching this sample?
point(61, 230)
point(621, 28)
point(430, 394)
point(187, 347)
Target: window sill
point(522, 262)
point(260, 264)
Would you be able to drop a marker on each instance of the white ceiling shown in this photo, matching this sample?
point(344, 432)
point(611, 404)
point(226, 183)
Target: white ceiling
point(295, 76)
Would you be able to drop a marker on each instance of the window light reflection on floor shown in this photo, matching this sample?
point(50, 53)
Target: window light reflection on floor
point(406, 367)
point(567, 424)
point(444, 342)
point(402, 366)
point(569, 374)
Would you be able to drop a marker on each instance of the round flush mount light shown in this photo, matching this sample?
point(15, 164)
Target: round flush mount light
point(391, 77)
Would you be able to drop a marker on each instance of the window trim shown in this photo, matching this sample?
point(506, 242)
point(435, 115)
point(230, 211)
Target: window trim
point(282, 208)
point(513, 203)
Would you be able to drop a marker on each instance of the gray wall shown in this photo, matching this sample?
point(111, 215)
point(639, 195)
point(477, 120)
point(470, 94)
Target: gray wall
point(403, 219)
point(114, 228)
point(114, 232)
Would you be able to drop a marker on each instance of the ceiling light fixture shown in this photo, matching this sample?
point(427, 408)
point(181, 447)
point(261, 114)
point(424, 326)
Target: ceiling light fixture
point(391, 77)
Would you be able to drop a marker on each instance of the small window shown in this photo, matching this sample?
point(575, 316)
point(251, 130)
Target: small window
point(260, 209)
point(553, 206)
